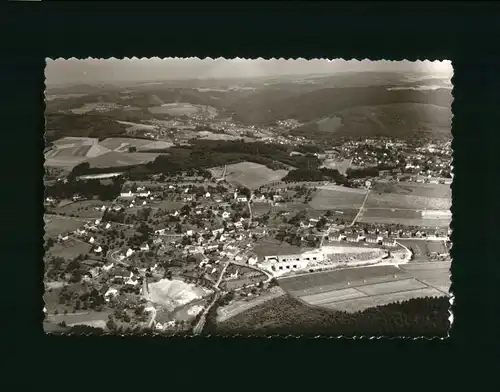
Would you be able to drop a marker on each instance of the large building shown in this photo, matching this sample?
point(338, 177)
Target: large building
point(291, 261)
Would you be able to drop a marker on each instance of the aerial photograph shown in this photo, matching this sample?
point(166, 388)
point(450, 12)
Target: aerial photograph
point(248, 197)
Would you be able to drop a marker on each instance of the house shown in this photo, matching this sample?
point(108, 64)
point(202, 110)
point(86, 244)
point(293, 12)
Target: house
point(108, 267)
point(207, 195)
point(98, 250)
point(371, 239)
point(145, 247)
point(361, 237)
point(218, 231)
point(108, 225)
point(252, 260)
point(97, 222)
point(225, 215)
point(189, 233)
point(129, 253)
point(352, 238)
point(176, 213)
point(160, 231)
point(92, 240)
point(132, 280)
point(80, 232)
point(126, 194)
point(117, 208)
point(238, 225)
point(63, 237)
point(242, 199)
point(389, 242)
point(110, 293)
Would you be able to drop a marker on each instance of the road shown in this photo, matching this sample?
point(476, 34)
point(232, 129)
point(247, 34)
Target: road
point(250, 207)
point(361, 209)
point(201, 322)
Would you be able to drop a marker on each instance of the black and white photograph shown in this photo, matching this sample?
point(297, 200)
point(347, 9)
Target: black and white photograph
point(248, 197)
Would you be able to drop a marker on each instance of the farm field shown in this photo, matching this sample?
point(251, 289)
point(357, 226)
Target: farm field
point(260, 208)
point(251, 175)
point(70, 249)
point(394, 200)
point(356, 289)
point(407, 217)
point(70, 151)
point(122, 144)
point(117, 159)
point(329, 199)
point(55, 225)
point(83, 209)
point(359, 304)
point(422, 248)
point(415, 189)
point(94, 319)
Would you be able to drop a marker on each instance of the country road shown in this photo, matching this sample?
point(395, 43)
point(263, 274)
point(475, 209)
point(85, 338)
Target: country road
point(201, 322)
point(361, 209)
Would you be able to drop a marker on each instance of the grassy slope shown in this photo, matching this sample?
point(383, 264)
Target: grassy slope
point(285, 315)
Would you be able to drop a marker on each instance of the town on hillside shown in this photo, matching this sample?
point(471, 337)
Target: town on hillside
point(197, 222)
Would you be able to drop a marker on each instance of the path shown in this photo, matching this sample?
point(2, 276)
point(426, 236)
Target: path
point(361, 209)
point(201, 322)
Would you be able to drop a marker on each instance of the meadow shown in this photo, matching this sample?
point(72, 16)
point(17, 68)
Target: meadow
point(251, 175)
point(328, 199)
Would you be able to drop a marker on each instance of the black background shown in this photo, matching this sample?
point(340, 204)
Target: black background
point(462, 32)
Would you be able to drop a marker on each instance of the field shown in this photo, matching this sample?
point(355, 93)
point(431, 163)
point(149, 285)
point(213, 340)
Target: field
point(117, 159)
point(94, 319)
point(328, 199)
point(70, 249)
point(83, 209)
point(415, 189)
point(341, 166)
point(249, 174)
point(70, 151)
point(406, 217)
point(56, 225)
point(422, 249)
point(239, 306)
point(269, 248)
point(407, 201)
point(123, 144)
point(355, 289)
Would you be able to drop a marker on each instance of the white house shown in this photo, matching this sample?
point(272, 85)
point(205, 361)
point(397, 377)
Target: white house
point(108, 225)
point(189, 233)
point(92, 240)
point(145, 247)
point(126, 194)
point(160, 231)
point(242, 199)
point(98, 250)
point(108, 267)
point(218, 231)
point(252, 260)
point(129, 253)
point(176, 213)
point(110, 293)
point(238, 225)
point(97, 222)
point(207, 195)
point(225, 215)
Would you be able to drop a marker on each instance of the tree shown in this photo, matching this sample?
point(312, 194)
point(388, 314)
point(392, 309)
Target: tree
point(132, 149)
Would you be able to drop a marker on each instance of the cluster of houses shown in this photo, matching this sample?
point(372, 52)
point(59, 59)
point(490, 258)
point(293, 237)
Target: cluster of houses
point(359, 237)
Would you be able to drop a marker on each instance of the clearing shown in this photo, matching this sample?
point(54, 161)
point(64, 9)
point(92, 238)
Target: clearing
point(249, 174)
point(422, 249)
point(123, 144)
point(83, 209)
point(415, 189)
point(55, 225)
point(327, 199)
point(70, 249)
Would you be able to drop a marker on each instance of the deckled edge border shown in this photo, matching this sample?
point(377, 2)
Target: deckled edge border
point(274, 336)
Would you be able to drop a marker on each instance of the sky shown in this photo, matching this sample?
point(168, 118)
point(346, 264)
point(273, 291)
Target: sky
point(137, 70)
